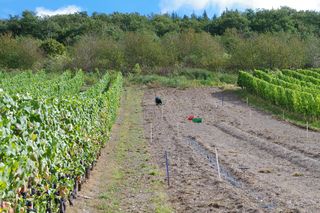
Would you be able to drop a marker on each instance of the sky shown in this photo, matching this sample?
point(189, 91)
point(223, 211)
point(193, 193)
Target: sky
point(53, 7)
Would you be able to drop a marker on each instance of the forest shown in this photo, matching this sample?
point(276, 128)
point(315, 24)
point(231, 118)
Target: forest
point(160, 43)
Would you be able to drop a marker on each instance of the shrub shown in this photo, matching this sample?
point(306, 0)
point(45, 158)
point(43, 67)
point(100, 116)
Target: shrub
point(92, 52)
point(19, 53)
point(143, 48)
point(52, 47)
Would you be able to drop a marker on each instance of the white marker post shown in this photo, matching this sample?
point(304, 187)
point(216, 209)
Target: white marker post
point(218, 166)
point(307, 129)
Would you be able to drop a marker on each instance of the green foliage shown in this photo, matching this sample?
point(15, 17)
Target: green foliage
point(268, 51)
point(186, 78)
point(52, 47)
point(299, 75)
point(23, 53)
point(228, 20)
point(57, 63)
point(261, 39)
point(287, 84)
point(67, 28)
point(92, 52)
point(137, 69)
point(200, 50)
point(143, 48)
point(163, 24)
point(302, 83)
point(47, 142)
point(278, 111)
point(286, 94)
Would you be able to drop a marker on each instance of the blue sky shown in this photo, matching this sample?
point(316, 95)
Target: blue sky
point(49, 7)
point(15, 7)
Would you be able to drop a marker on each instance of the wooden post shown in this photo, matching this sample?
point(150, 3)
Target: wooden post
point(222, 99)
point(218, 166)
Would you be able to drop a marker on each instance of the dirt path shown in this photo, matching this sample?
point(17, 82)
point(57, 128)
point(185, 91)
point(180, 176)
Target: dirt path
point(266, 165)
point(125, 178)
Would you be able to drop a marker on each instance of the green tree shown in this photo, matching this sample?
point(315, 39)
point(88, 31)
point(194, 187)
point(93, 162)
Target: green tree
point(163, 24)
point(53, 48)
point(143, 48)
point(273, 20)
point(20, 53)
point(228, 20)
point(30, 24)
point(92, 52)
point(199, 50)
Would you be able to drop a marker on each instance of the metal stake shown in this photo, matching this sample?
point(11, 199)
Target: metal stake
point(167, 167)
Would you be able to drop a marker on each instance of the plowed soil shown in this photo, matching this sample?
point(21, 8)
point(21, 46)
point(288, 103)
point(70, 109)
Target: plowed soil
point(266, 165)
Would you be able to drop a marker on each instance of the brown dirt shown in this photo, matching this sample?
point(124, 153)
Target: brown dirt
point(267, 165)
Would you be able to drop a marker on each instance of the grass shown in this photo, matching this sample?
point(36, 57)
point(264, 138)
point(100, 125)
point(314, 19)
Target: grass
point(132, 171)
point(297, 174)
point(279, 112)
point(185, 78)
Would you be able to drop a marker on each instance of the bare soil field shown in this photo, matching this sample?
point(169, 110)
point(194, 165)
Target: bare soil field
point(266, 165)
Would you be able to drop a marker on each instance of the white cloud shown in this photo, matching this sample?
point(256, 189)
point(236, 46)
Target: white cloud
point(42, 12)
point(220, 5)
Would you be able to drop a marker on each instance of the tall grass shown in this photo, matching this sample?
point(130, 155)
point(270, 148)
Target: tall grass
point(184, 78)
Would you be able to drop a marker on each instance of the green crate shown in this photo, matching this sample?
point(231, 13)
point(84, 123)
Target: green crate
point(197, 120)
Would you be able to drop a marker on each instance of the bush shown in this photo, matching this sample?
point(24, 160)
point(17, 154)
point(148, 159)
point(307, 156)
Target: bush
point(57, 63)
point(143, 48)
point(268, 51)
point(53, 48)
point(92, 52)
point(19, 53)
point(196, 74)
point(137, 69)
point(195, 49)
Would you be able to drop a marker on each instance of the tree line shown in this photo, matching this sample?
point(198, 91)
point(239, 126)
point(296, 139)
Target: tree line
point(253, 39)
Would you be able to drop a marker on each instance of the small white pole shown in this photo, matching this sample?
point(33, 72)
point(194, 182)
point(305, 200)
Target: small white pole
point(282, 114)
point(247, 101)
point(217, 158)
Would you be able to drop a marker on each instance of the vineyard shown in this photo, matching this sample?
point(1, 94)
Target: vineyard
point(52, 128)
point(297, 91)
